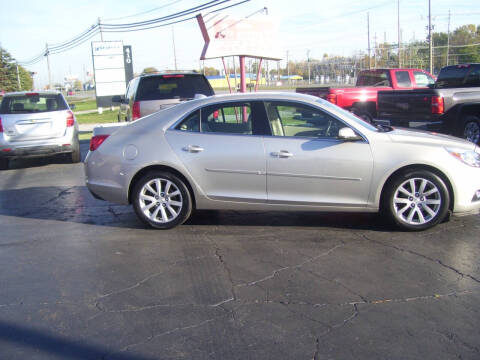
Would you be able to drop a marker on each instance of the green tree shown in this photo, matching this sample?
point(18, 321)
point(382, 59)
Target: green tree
point(149, 70)
point(8, 74)
point(210, 70)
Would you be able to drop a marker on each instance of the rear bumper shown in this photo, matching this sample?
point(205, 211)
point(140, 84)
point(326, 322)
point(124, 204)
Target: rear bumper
point(38, 148)
point(35, 151)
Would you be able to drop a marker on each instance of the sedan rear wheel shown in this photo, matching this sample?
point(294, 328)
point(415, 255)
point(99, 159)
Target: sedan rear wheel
point(162, 200)
point(417, 200)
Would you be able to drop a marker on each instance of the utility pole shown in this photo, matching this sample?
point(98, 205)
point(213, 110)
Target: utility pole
point(48, 66)
point(288, 70)
point(398, 33)
point(308, 64)
point(375, 52)
point(174, 51)
point(368, 34)
point(430, 40)
point(448, 36)
point(100, 27)
point(18, 79)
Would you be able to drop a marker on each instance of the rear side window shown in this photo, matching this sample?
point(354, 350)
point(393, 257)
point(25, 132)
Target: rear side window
point(403, 79)
point(165, 87)
point(374, 78)
point(32, 103)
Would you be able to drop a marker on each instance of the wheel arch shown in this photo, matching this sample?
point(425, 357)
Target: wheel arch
point(413, 167)
point(368, 106)
point(158, 167)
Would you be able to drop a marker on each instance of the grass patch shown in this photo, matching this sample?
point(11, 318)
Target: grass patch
point(94, 118)
point(84, 135)
point(81, 105)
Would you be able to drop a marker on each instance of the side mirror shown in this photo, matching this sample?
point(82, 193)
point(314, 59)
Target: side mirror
point(72, 106)
point(347, 134)
point(118, 99)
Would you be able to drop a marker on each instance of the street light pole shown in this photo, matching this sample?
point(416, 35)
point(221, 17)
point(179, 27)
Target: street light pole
point(48, 66)
point(430, 40)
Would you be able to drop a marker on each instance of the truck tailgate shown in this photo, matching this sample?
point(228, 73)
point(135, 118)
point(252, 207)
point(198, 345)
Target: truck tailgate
point(320, 92)
point(408, 105)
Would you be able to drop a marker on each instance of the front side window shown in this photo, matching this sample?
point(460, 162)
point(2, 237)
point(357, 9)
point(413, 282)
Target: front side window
point(298, 120)
point(403, 79)
point(422, 79)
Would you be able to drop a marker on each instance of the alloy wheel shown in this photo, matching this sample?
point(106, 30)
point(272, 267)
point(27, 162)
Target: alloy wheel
point(417, 201)
point(160, 200)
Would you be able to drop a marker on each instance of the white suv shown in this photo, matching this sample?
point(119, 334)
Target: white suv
point(35, 124)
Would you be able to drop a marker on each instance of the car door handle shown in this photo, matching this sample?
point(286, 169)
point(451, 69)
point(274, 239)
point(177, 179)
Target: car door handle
point(282, 154)
point(193, 148)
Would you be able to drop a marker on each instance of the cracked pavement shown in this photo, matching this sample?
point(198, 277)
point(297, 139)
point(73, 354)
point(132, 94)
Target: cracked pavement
point(84, 279)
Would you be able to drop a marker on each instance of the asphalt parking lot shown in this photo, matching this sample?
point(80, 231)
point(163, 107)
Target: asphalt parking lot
point(84, 279)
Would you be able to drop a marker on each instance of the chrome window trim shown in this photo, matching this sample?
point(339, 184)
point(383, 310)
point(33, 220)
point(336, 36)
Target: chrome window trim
point(222, 102)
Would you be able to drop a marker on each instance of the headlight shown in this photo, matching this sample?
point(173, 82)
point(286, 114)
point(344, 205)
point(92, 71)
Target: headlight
point(468, 157)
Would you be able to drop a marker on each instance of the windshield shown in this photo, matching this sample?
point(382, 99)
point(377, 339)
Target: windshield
point(164, 87)
point(347, 114)
point(32, 103)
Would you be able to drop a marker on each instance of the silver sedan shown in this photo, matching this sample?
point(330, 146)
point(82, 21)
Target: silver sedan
point(280, 151)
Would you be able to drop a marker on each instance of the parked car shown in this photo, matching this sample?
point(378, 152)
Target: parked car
point(279, 151)
point(450, 106)
point(149, 93)
point(362, 99)
point(35, 124)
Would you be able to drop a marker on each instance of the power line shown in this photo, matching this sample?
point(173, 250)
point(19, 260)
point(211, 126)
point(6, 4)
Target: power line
point(128, 27)
point(144, 12)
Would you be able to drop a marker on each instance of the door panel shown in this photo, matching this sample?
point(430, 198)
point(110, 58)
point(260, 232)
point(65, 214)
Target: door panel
point(307, 164)
point(318, 171)
point(226, 167)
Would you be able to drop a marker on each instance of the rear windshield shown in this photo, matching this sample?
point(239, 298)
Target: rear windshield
point(459, 76)
point(32, 103)
point(374, 78)
point(172, 87)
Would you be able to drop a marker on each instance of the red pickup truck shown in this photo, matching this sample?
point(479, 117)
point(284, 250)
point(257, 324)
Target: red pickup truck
point(362, 99)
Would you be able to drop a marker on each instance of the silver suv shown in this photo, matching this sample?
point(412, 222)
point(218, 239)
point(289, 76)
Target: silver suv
point(149, 93)
point(35, 124)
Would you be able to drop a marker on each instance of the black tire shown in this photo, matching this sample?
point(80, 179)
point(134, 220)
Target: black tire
point(363, 114)
point(429, 205)
point(4, 163)
point(160, 200)
point(471, 129)
point(75, 155)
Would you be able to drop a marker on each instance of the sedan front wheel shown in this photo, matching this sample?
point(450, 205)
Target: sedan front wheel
point(416, 200)
point(162, 200)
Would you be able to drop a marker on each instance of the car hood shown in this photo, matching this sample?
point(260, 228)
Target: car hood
point(418, 137)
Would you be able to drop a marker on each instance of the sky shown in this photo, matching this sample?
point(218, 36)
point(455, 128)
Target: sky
point(317, 27)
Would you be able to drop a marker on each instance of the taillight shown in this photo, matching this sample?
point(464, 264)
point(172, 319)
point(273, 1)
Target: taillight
point(437, 105)
point(70, 119)
point(96, 141)
point(332, 98)
point(1, 126)
point(136, 110)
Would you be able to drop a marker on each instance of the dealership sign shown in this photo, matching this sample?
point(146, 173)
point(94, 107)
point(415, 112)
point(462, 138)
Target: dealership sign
point(109, 70)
